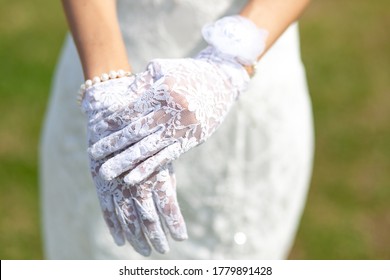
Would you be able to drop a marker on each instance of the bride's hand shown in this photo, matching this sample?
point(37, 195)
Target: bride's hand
point(134, 212)
point(185, 105)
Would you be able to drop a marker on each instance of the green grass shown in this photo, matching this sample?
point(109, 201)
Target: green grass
point(345, 47)
point(31, 37)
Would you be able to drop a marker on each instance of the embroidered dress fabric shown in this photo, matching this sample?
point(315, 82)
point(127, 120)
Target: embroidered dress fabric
point(241, 192)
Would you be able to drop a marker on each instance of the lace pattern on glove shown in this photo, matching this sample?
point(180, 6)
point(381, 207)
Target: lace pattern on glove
point(138, 213)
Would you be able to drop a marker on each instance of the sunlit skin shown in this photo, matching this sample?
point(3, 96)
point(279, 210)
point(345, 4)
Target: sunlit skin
point(101, 47)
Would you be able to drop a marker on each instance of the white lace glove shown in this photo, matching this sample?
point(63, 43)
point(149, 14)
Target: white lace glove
point(188, 101)
point(131, 211)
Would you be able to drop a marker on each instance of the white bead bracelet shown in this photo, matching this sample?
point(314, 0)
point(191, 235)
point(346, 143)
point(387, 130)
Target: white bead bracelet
point(103, 77)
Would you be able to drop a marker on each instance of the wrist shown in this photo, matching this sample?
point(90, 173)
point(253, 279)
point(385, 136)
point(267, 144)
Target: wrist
point(250, 69)
point(101, 49)
point(103, 77)
point(97, 71)
point(237, 37)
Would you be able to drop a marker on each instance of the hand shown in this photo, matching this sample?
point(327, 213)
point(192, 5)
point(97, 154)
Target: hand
point(131, 211)
point(187, 102)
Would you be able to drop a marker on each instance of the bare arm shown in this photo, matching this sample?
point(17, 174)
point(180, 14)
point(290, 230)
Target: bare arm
point(274, 15)
point(97, 36)
point(100, 45)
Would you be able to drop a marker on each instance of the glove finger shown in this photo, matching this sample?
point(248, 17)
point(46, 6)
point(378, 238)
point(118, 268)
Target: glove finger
point(148, 216)
point(153, 163)
point(119, 119)
point(164, 195)
point(132, 156)
point(120, 214)
point(107, 204)
point(123, 138)
point(111, 220)
point(131, 225)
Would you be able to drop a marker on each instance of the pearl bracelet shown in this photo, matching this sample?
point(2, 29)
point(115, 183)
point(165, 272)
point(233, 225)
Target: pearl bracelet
point(103, 77)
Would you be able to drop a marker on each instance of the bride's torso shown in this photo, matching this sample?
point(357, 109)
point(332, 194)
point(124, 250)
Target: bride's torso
point(170, 28)
point(249, 179)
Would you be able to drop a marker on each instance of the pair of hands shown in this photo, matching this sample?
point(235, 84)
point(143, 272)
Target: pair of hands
point(131, 212)
point(138, 125)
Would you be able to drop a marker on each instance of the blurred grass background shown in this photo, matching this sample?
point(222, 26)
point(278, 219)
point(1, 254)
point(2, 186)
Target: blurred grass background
point(346, 50)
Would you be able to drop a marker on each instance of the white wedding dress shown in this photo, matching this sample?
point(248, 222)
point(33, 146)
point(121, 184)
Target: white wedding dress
point(241, 193)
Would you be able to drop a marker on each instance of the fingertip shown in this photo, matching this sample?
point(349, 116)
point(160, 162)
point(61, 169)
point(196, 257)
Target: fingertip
point(105, 173)
point(93, 153)
point(128, 180)
point(117, 235)
point(161, 248)
point(180, 235)
point(140, 245)
point(146, 252)
point(165, 250)
point(119, 240)
point(134, 177)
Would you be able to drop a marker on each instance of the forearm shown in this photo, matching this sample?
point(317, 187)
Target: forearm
point(97, 35)
point(273, 15)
